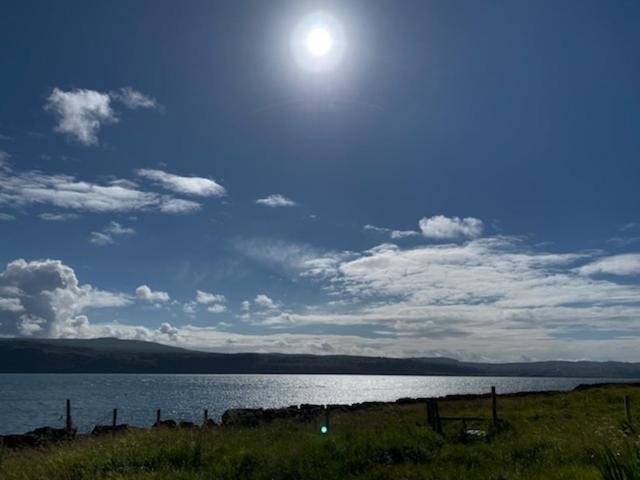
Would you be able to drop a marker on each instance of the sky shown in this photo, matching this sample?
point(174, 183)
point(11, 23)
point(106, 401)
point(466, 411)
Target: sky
point(433, 178)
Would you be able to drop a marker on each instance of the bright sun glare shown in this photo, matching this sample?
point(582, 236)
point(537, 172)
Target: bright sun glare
point(319, 41)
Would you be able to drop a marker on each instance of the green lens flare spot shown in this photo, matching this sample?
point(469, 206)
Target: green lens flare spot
point(324, 429)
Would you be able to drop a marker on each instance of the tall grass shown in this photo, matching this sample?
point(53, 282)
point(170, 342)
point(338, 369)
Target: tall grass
point(622, 466)
point(543, 437)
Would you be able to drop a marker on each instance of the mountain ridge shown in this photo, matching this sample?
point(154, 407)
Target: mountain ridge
point(111, 355)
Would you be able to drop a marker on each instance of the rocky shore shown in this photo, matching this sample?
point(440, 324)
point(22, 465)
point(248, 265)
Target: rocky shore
point(247, 417)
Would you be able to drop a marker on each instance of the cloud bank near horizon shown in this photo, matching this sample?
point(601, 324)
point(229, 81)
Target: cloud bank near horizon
point(491, 298)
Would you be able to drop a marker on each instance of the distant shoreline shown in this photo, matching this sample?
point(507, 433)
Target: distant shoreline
point(114, 356)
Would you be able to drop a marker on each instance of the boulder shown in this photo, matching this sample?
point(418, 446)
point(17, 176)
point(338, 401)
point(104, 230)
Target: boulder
point(165, 424)
point(105, 429)
point(188, 425)
point(245, 417)
point(38, 437)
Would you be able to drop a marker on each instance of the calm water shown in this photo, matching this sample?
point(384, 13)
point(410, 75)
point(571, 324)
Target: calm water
point(30, 401)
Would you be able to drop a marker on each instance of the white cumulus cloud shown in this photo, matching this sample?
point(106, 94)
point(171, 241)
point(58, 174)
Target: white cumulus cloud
point(206, 297)
point(44, 297)
point(81, 113)
point(264, 301)
point(447, 228)
point(144, 292)
point(215, 302)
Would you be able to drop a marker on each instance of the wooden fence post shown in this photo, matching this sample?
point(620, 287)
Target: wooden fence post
point(627, 408)
point(68, 423)
point(206, 416)
point(158, 416)
point(494, 407)
point(327, 416)
point(114, 419)
point(437, 417)
point(433, 415)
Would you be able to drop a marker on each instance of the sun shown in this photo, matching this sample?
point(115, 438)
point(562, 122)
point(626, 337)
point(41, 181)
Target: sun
point(319, 41)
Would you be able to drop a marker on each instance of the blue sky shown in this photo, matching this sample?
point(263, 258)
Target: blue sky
point(451, 178)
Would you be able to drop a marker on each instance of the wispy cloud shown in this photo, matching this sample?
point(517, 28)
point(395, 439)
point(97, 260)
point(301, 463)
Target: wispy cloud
point(626, 264)
point(19, 189)
point(134, 99)
point(187, 185)
point(110, 234)
point(58, 217)
point(6, 217)
point(393, 234)
point(276, 200)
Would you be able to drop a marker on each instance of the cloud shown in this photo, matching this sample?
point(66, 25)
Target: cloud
point(143, 292)
point(19, 189)
point(112, 231)
point(7, 217)
point(170, 331)
point(196, 186)
point(393, 234)
point(58, 217)
point(100, 239)
point(11, 304)
point(625, 264)
point(206, 298)
point(134, 99)
point(44, 297)
point(214, 301)
point(276, 200)
point(179, 205)
point(447, 228)
point(289, 258)
point(480, 297)
point(265, 302)
point(494, 298)
point(80, 113)
point(216, 308)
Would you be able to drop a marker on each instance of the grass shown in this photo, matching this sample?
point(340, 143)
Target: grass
point(576, 435)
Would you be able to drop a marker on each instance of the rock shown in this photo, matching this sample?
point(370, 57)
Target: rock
point(185, 424)
point(209, 424)
point(38, 437)
point(105, 429)
point(246, 417)
point(165, 424)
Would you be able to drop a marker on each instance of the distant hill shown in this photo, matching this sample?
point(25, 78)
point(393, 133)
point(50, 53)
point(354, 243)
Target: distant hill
point(110, 355)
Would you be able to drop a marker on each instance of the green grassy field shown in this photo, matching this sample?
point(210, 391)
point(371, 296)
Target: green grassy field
point(559, 436)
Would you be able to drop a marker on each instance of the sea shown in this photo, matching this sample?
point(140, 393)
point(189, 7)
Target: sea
point(28, 401)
